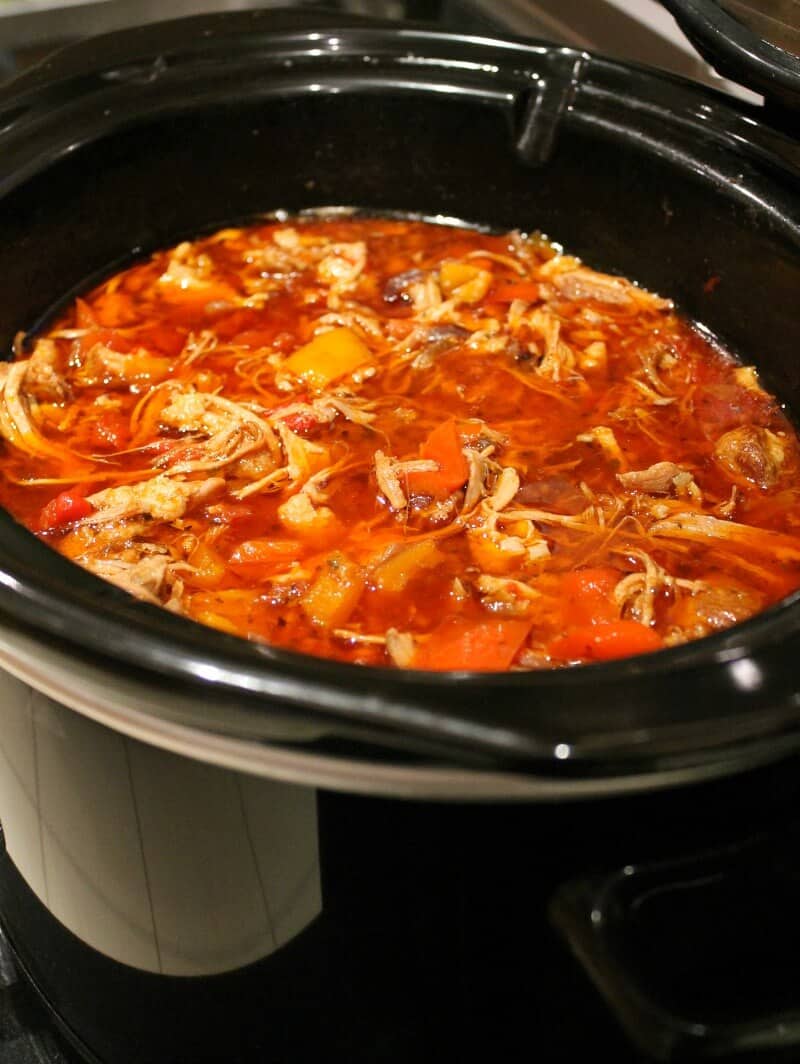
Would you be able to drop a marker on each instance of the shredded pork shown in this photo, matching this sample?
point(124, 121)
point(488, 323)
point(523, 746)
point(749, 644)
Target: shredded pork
point(403, 444)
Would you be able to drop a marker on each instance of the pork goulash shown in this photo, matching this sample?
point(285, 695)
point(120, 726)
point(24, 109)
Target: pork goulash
point(399, 443)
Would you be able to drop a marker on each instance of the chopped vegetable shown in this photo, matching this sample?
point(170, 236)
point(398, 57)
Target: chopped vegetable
point(317, 525)
point(481, 646)
point(587, 596)
point(328, 357)
point(527, 291)
point(464, 281)
point(394, 443)
point(443, 447)
point(207, 565)
point(265, 553)
point(394, 573)
point(605, 640)
point(66, 508)
point(335, 593)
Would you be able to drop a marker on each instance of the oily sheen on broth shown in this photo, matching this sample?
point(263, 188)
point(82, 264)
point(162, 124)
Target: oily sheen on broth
point(405, 444)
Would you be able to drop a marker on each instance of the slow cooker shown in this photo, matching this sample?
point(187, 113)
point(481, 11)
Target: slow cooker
point(215, 850)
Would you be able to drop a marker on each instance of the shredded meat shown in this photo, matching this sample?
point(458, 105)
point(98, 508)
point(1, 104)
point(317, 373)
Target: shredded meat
point(144, 579)
point(44, 380)
point(582, 283)
point(395, 443)
point(752, 454)
point(658, 479)
point(164, 498)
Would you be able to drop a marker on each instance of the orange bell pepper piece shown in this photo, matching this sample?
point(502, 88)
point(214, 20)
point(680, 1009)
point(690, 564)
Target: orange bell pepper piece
point(511, 290)
point(586, 596)
point(442, 446)
point(488, 645)
point(605, 641)
point(328, 357)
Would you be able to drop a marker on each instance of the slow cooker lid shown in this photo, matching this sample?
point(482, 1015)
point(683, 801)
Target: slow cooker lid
point(753, 42)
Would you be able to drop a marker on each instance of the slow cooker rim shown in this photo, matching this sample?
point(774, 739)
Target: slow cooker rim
point(239, 667)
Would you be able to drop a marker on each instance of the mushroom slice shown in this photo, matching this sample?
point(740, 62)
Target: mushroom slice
point(712, 609)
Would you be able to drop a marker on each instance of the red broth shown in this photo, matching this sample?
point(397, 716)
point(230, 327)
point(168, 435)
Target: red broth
point(399, 443)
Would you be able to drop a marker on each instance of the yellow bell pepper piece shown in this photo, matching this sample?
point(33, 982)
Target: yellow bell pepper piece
point(208, 565)
point(495, 553)
point(463, 281)
point(335, 593)
point(327, 357)
point(403, 565)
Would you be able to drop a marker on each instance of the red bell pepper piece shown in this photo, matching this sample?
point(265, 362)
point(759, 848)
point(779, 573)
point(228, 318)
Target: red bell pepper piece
point(65, 508)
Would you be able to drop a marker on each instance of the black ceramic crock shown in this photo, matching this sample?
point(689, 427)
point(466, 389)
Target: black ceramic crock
point(173, 884)
point(132, 141)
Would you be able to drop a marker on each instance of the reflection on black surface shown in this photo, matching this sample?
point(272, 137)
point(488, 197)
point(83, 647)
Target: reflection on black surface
point(698, 957)
point(725, 933)
point(434, 946)
point(27, 1034)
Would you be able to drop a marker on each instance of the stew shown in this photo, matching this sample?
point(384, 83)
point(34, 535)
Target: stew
point(403, 443)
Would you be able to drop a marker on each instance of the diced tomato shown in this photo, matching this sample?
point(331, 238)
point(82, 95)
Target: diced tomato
point(265, 552)
point(508, 292)
point(442, 446)
point(84, 315)
point(65, 508)
point(604, 641)
point(399, 328)
point(488, 645)
point(110, 338)
point(109, 432)
point(254, 338)
point(228, 513)
point(586, 596)
point(300, 422)
point(164, 339)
